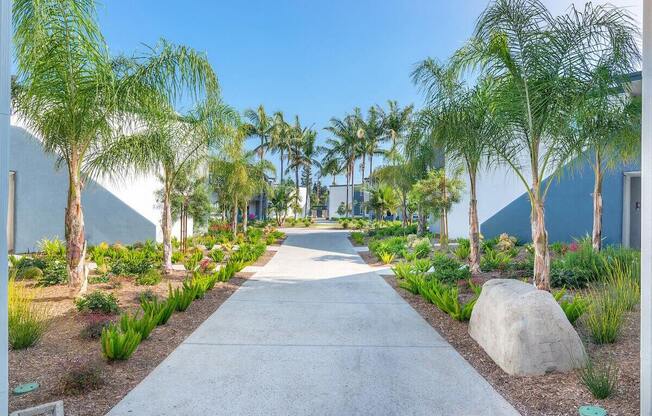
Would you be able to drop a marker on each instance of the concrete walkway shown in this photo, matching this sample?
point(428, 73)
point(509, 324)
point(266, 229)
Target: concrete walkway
point(316, 332)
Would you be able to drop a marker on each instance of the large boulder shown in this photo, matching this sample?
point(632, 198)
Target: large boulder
point(524, 330)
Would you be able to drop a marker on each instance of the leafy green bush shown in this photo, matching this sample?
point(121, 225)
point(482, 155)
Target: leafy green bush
point(151, 277)
point(28, 321)
point(97, 301)
point(583, 260)
point(118, 345)
point(446, 298)
point(422, 249)
point(489, 244)
point(495, 260)
point(386, 257)
point(604, 317)
point(402, 270)
point(131, 262)
point(162, 311)
point(52, 248)
point(248, 253)
point(358, 238)
point(143, 325)
point(55, 272)
point(102, 278)
point(412, 282)
point(573, 308)
point(30, 273)
point(226, 272)
point(448, 270)
point(182, 297)
point(192, 261)
point(564, 275)
point(421, 265)
point(217, 255)
point(559, 248)
point(462, 252)
point(601, 381)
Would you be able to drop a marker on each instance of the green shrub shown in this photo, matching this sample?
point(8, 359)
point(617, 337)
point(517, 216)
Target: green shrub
point(386, 257)
point(217, 255)
point(206, 282)
point(97, 301)
point(489, 244)
point(118, 345)
point(52, 248)
point(402, 270)
point(96, 279)
point(226, 272)
point(421, 265)
point(81, 378)
point(192, 262)
point(162, 311)
point(601, 381)
point(182, 297)
point(55, 272)
point(624, 281)
point(30, 273)
point(462, 252)
point(143, 325)
point(559, 248)
point(604, 317)
point(151, 277)
point(177, 257)
point(583, 260)
point(358, 238)
point(131, 262)
point(495, 260)
point(572, 308)
point(27, 320)
point(448, 270)
point(564, 275)
point(422, 249)
point(446, 298)
point(412, 282)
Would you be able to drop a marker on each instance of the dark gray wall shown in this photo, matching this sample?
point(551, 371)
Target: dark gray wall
point(568, 207)
point(41, 193)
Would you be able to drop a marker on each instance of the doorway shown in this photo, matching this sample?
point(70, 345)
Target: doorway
point(632, 210)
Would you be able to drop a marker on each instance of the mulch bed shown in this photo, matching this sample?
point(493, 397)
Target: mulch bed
point(551, 394)
point(63, 349)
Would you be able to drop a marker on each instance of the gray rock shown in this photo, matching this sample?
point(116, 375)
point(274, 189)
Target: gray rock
point(524, 330)
point(49, 409)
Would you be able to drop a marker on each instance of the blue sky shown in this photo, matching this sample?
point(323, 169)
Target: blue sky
point(317, 59)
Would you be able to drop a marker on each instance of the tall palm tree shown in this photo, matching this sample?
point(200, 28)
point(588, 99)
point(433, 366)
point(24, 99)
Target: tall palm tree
point(236, 176)
point(540, 64)
point(280, 138)
point(396, 125)
point(373, 127)
point(458, 120)
point(607, 128)
point(311, 160)
point(260, 125)
point(345, 146)
point(80, 101)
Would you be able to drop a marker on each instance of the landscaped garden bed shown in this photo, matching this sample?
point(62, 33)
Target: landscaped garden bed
point(76, 352)
point(598, 291)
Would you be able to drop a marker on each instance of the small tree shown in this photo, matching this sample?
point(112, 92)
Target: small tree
point(382, 198)
point(280, 200)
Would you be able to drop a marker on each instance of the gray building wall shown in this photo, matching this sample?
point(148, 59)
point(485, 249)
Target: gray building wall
point(568, 207)
point(40, 201)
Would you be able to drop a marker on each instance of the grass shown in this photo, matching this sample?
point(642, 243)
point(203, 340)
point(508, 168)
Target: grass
point(604, 316)
point(27, 320)
point(602, 381)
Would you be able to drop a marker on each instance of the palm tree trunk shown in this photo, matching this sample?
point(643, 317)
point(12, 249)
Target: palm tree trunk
point(474, 227)
point(597, 205)
point(296, 178)
point(404, 208)
point(245, 218)
point(364, 157)
point(234, 217)
point(166, 225)
point(281, 165)
point(262, 191)
point(346, 202)
point(352, 188)
point(540, 242)
point(74, 228)
point(371, 165)
point(305, 208)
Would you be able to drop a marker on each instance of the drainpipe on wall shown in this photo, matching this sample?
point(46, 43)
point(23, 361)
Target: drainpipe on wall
point(646, 215)
point(5, 118)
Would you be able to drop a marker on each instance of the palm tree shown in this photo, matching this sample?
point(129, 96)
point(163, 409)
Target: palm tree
point(260, 125)
point(540, 64)
point(607, 128)
point(80, 101)
point(331, 165)
point(311, 159)
point(458, 120)
point(280, 137)
point(382, 198)
point(345, 146)
point(373, 128)
point(236, 176)
point(396, 124)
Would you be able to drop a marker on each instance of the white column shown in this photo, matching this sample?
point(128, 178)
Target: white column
point(5, 79)
point(646, 216)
